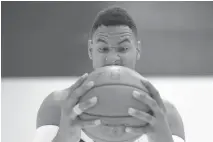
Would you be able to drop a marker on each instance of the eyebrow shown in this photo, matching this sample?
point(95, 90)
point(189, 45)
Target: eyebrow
point(124, 40)
point(101, 40)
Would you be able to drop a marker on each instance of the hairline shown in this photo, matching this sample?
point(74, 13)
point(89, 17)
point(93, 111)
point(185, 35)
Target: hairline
point(91, 35)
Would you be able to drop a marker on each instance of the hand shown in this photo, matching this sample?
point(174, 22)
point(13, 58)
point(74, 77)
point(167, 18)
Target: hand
point(157, 129)
point(70, 125)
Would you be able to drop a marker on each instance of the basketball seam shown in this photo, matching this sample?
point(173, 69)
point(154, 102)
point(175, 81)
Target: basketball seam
point(118, 84)
point(96, 86)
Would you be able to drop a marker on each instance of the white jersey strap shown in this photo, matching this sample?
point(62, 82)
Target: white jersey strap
point(177, 139)
point(45, 133)
point(144, 138)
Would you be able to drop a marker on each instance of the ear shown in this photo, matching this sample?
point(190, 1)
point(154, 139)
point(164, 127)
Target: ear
point(90, 49)
point(138, 50)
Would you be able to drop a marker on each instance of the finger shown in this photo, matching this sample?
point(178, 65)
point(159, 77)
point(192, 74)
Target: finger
point(88, 104)
point(78, 83)
point(80, 91)
point(88, 123)
point(150, 102)
point(75, 96)
point(141, 130)
point(141, 115)
point(75, 112)
point(154, 94)
point(146, 99)
point(80, 108)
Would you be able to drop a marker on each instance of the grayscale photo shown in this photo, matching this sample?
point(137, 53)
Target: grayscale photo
point(106, 71)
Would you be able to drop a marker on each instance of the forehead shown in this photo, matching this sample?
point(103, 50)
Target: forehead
point(113, 32)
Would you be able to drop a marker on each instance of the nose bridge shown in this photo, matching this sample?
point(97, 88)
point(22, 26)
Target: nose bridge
point(113, 55)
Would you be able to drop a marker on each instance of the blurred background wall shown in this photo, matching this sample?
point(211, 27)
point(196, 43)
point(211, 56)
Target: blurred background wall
point(49, 38)
point(44, 48)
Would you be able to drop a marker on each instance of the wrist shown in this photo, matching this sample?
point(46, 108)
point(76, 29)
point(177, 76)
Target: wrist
point(67, 135)
point(59, 138)
point(160, 136)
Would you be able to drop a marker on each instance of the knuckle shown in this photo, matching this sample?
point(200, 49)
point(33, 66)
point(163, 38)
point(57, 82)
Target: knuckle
point(85, 105)
point(146, 83)
point(149, 117)
point(85, 87)
point(89, 103)
point(82, 107)
point(139, 130)
point(144, 96)
point(138, 114)
point(89, 85)
point(136, 130)
point(78, 91)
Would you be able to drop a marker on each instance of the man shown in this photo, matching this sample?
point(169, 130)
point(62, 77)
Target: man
point(113, 41)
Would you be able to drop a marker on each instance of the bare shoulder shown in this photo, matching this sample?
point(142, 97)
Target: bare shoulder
point(169, 106)
point(174, 119)
point(59, 95)
point(49, 112)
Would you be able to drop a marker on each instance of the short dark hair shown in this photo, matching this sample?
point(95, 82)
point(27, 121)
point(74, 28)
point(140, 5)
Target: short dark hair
point(113, 16)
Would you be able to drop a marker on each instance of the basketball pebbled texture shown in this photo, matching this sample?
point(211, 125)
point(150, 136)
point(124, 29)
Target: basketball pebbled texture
point(114, 86)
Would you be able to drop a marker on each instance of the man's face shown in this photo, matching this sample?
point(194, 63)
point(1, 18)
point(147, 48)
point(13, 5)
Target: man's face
point(114, 45)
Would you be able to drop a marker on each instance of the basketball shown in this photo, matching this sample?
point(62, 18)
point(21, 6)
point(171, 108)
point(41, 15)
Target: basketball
point(113, 88)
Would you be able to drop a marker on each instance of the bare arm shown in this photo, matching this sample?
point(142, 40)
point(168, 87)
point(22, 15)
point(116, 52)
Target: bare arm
point(48, 118)
point(175, 120)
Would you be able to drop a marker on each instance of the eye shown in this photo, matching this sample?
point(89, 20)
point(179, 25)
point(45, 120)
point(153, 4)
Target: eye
point(123, 49)
point(103, 49)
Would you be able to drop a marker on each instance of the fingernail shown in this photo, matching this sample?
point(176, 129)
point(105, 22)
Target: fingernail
point(136, 94)
point(97, 122)
point(90, 84)
point(93, 100)
point(131, 110)
point(128, 130)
